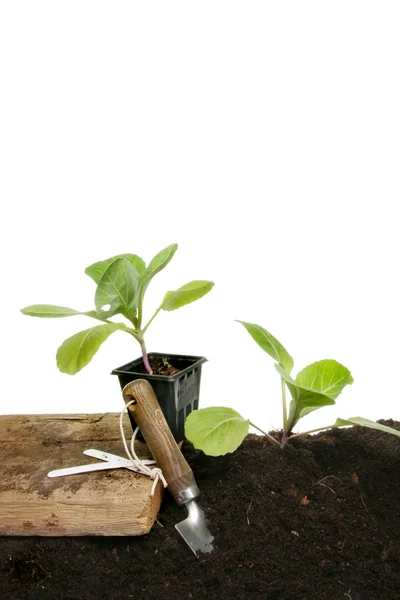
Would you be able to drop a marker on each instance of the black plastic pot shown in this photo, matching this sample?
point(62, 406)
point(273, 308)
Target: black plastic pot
point(177, 394)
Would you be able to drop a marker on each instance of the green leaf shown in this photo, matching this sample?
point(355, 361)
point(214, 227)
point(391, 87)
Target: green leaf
point(270, 345)
point(156, 265)
point(326, 376)
point(304, 400)
point(118, 288)
point(77, 351)
point(366, 423)
point(187, 293)
point(97, 270)
point(159, 262)
point(285, 375)
point(216, 430)
point(50, 311)
point(93, 314)
point(315, 386)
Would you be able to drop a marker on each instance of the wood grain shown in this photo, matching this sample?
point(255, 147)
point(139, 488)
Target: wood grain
point(103, 503)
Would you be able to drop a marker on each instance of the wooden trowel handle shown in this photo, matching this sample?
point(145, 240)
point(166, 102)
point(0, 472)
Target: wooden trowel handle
point(149, 417)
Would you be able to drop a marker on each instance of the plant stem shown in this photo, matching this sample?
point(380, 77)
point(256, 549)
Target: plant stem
point(311, 431)
point(145, 358)
point(266, 434)
point(284, 409)
point(134, 334)
point(133, 331)
point(153, 317)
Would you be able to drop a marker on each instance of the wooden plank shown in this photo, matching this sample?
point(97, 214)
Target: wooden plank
point(115, 502)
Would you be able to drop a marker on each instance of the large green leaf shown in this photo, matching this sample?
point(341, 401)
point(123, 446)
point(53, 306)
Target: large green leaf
point(77, 351)
point(97, 270)
point(216, 430)
point(187, 293)
point(269, 344)
point(303, 401)
point(325, 376)
point(50, 311)
point(118, 288)
point(159, 262)
point(366, 423)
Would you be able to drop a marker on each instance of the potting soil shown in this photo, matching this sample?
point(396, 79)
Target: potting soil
point(318, 520)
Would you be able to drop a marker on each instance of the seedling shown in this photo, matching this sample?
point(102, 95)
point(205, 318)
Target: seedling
point(122, 282)
point(219, 430)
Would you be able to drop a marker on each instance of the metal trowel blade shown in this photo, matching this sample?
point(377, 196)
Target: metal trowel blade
point(194, 530)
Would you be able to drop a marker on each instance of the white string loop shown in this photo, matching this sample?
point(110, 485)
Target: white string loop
point(155, 474)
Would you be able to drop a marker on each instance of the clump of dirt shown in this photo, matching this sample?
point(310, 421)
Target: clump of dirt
point(316, 520)
point(25, 565)
point(159, 366)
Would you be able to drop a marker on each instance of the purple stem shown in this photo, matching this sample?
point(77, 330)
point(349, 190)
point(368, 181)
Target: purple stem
point(146, 359)
point(284, 439)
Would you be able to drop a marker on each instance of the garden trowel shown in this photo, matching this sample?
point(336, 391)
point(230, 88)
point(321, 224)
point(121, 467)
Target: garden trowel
point(181, 482)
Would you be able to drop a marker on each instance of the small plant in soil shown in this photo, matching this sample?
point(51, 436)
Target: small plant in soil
point(219, 430)
point(121, 283)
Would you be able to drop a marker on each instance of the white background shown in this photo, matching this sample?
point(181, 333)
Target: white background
point(263, 137)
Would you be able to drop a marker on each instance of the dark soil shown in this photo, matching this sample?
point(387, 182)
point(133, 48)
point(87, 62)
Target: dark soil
point(163, 367)
point(318, 520)
point(159, 366)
